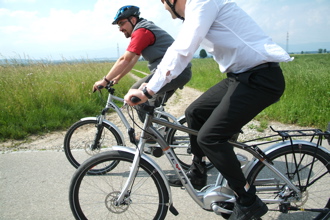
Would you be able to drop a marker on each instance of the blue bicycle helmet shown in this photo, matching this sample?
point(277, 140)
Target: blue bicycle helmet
point(126, 12)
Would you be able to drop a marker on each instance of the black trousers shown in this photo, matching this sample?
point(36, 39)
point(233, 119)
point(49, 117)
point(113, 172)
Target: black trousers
point(224, 109)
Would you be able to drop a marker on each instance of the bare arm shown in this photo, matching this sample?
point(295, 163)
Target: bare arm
point(122, 66)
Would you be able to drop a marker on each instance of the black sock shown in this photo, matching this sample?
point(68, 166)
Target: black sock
point(197, 160)
point(247, 198)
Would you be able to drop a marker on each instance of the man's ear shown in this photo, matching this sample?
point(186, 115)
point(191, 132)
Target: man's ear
point(134, 20)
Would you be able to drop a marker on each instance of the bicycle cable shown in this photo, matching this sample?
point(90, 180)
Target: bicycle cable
point(102, 100)
point(134, 123)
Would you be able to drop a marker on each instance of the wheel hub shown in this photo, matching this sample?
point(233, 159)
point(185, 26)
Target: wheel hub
point(90, 151)
point(111, 200)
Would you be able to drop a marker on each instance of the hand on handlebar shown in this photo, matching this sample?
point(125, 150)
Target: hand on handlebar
point(99, 85)
point(132, 94)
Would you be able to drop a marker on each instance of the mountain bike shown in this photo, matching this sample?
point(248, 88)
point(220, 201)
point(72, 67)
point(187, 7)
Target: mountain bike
point(92, 135)
point(291, 176)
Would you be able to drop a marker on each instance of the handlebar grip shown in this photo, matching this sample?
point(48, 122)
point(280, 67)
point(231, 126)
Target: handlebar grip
point(135, 99)
point(100, 87)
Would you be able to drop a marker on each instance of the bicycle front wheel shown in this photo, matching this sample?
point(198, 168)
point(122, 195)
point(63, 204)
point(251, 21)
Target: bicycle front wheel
point(180, 143)
point(79, 141)
point(307, 168)
point(94, 196)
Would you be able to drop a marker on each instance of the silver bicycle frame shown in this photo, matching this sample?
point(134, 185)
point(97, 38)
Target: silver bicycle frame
point(198, 197)
point(159, 111)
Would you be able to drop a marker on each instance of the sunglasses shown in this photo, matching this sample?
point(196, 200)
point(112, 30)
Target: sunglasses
point(120, 24)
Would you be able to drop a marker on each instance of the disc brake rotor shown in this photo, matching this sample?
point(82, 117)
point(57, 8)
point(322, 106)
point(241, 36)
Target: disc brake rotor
point(110, 203)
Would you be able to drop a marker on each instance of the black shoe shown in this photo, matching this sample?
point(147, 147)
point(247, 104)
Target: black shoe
point(254, 211)
point(197, 175)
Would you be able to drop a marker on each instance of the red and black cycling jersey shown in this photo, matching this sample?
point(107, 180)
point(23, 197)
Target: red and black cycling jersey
point(141, 39)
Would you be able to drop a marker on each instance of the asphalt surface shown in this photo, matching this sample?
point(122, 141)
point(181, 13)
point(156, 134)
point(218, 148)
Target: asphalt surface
point(34, 185)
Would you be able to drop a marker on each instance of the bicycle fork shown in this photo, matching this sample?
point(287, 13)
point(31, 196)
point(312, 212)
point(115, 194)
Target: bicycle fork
point(125, 192)
point(99, 131)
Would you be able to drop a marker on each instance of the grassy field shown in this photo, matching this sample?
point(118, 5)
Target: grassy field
point(39, 98)
point(306, 100)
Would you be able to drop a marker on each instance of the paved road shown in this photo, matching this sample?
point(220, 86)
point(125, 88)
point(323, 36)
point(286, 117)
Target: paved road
point(34, 185)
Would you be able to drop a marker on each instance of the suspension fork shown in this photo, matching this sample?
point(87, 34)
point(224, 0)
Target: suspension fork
point(99, 130)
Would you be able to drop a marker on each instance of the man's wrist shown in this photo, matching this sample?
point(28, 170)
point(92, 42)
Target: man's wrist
point(105, 79)
point(146, 93)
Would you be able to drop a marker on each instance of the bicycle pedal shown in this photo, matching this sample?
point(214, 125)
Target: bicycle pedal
point(222, 208)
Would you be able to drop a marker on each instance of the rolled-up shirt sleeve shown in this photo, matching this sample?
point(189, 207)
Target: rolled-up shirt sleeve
point(199, 16)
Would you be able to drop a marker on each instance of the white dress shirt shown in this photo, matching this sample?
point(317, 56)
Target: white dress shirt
point(224, 30)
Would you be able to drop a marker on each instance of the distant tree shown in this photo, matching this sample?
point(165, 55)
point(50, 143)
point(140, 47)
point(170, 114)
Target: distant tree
point(302, 52)
point(320, 50)
point(202, 53)
point(324, 50)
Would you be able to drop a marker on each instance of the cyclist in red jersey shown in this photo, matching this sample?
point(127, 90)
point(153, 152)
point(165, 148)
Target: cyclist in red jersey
point(148, 41)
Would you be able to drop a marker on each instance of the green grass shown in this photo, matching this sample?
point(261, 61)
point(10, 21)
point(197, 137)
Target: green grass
point(39, 98)
point(306, 100)
point(206, 74)
point(138, 74)
point(142, 66)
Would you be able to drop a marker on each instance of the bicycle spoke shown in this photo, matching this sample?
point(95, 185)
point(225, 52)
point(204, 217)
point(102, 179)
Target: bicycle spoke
point(305, 169)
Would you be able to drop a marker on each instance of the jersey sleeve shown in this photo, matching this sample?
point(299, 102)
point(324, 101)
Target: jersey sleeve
point(140, 39)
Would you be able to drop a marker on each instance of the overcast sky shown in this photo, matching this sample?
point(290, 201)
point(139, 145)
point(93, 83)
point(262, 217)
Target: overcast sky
point(73, 29)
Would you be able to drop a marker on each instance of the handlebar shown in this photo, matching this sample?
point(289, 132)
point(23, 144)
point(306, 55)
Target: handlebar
point(108, 87)
point(135, 99)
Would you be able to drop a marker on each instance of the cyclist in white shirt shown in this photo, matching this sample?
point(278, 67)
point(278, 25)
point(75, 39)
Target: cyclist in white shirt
point(254, 81)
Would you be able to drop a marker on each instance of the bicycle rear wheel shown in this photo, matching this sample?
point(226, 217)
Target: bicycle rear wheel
point(94, 196)
point(311, 176)
point(79, 141)
point(180, 143)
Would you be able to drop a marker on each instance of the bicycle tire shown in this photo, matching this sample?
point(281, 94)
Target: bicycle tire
point(313, 196)
point(80, 137)
point(183, 152)
point(94, 196)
